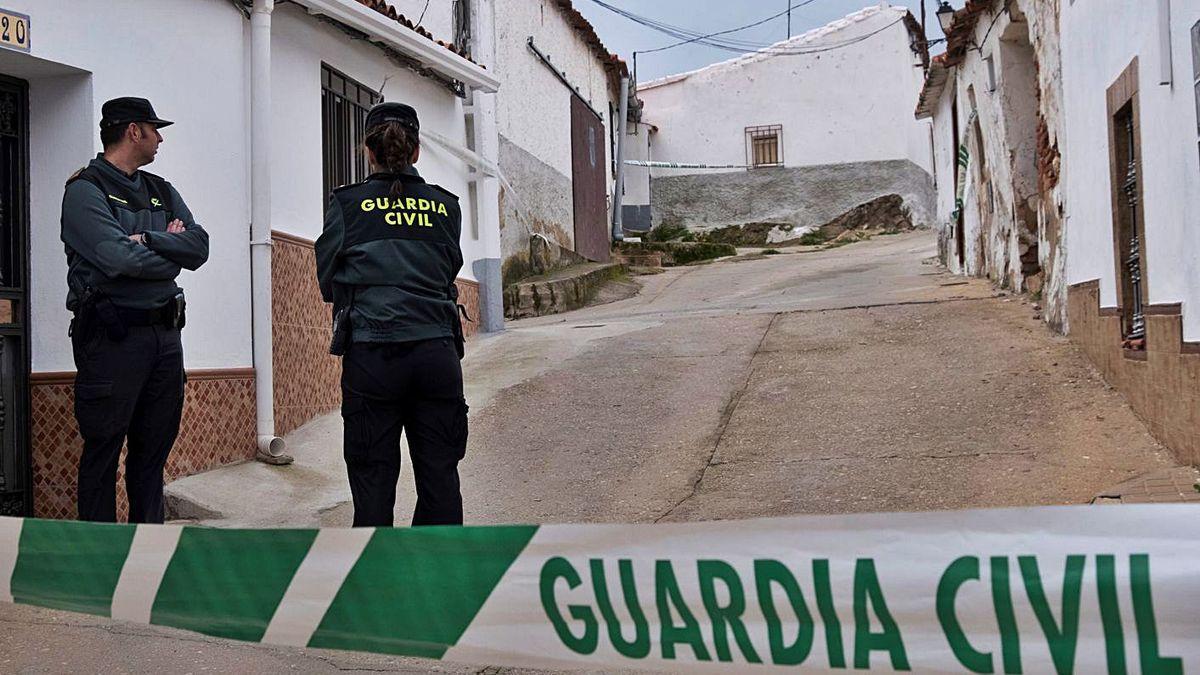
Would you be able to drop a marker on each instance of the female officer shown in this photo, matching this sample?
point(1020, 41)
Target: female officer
point(387, 259)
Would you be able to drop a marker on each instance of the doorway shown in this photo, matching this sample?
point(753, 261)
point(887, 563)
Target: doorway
point(592, 239)
point(16, 494)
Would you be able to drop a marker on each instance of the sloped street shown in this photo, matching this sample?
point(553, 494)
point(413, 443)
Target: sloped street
point(859, 378)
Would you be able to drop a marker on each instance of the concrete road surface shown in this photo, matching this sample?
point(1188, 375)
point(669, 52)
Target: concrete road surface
point(860, 378)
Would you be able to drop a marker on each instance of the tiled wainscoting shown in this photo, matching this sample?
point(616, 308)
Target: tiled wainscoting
point(1162, 383)
point(217, 429)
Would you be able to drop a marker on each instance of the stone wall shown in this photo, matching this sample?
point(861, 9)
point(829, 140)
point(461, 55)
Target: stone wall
point(808, 196)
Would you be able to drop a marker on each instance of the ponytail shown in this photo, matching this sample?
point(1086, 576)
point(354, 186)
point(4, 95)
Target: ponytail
point(393, 145)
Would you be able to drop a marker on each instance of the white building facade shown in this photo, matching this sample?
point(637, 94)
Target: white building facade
point(557, 135)
point(1131, 169)
point(265, 98)
point(817, 117)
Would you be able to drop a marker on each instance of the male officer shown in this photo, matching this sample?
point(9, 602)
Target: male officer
point(387, 259)
point(127, 235)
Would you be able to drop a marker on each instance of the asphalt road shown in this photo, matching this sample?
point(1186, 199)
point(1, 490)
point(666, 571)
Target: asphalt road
point(860, 378)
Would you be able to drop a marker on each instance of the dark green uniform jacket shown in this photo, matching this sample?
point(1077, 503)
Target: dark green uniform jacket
point(399, 255)
point(102, 206)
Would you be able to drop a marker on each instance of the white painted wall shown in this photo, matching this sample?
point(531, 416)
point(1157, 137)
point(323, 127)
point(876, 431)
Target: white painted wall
point(852, 104)
point(945, 167)
point(299, 46)
point(191, 59)
point(1099, 39)
point(638, 146)
point(193, 74)
point(534, 110)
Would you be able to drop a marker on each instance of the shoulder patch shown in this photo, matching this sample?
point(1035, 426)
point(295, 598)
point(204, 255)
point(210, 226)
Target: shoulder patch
point(443, 190)
point(75, 175)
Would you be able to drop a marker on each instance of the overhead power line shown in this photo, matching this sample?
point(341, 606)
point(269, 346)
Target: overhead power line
point(687, 36)
point(708, 37)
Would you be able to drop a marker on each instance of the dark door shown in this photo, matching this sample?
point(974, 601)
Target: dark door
point(587, 179)
point(16, 495)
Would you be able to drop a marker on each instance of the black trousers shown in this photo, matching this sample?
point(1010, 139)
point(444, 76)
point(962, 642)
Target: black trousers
point(129, 389)
point(413, 387)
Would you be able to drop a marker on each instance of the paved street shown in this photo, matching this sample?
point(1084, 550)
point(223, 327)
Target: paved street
point(858, 378)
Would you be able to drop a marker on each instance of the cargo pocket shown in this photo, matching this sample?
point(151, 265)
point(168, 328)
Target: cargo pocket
point(92, 408)
point(355, 433)
point(459, 428)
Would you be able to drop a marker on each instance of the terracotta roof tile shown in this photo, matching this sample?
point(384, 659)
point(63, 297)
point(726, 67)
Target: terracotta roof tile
point(389, 11)
point(614, 66)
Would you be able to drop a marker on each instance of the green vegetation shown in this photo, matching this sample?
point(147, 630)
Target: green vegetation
point(814, 238)
point(667, 232)
point(682, 253)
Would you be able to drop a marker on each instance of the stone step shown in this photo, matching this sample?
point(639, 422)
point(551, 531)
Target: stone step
point(639, 258)
point(561, 291)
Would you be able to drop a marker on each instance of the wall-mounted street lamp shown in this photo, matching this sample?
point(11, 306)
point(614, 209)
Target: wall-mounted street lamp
point(945, 16)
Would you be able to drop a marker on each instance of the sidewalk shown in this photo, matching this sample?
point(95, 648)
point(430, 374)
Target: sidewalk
point(313, 492)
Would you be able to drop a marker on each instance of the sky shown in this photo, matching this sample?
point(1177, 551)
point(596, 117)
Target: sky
point(623, 37)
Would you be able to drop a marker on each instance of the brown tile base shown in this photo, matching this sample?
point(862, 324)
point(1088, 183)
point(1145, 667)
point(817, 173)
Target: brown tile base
point(1161, 384)
point(217, 429)
point(1177, 484)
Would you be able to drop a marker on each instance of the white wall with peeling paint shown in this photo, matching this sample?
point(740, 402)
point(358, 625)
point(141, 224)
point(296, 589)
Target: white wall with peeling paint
point(1010, 78)
point(533, 116)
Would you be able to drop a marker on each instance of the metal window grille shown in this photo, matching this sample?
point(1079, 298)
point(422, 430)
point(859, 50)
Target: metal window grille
point(764, 145)
point(1127, 226)
point(344, 106)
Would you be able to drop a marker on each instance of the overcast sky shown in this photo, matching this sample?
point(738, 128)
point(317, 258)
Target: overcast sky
point(623, 36)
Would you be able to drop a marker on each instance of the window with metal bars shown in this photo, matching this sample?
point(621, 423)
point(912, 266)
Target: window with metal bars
point(344, 106)
point(1127, 228)
point(764, 145)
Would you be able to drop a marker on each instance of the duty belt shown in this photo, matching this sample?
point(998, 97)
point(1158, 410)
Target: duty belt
point(170, 315)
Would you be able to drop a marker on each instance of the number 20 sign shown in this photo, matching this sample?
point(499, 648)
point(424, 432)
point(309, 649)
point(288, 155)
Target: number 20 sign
point(14, 30)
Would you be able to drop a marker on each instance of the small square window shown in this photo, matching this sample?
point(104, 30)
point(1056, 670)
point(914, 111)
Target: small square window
point(764, 145)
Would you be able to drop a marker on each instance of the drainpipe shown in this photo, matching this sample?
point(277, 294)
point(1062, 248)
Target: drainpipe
point(270, 447)
point(618, 231)
point(487, 188)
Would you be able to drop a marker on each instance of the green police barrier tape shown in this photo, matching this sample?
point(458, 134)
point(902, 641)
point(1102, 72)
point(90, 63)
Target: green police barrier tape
point(1055, 589)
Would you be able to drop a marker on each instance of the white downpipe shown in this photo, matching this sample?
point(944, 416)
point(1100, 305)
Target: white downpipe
point(618, 220)
point(270, 446)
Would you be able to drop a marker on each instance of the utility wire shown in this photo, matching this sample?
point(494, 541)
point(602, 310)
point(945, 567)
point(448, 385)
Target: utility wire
point(694, 36)
point(732, 45)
